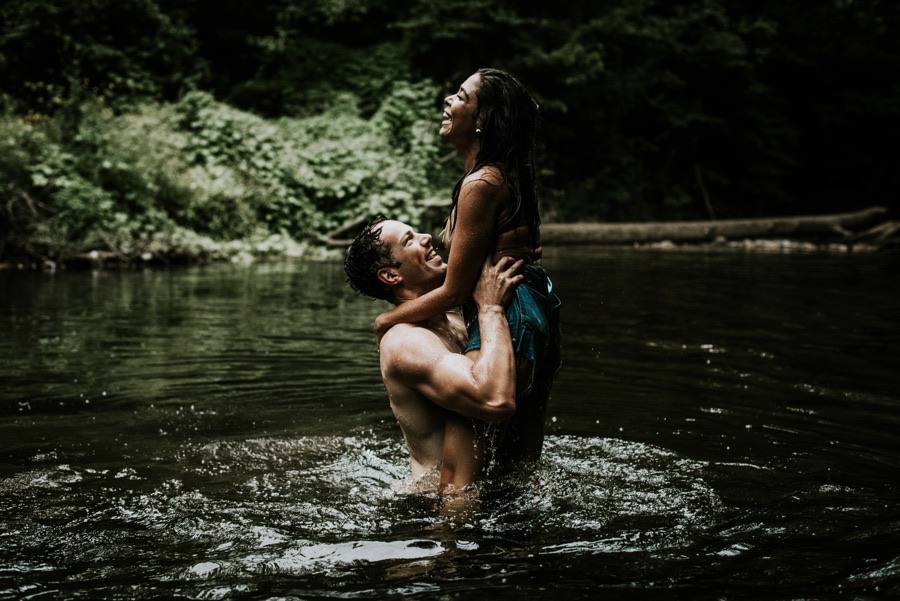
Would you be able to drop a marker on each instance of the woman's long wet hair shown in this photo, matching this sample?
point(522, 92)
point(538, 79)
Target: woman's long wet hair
point(508, 117)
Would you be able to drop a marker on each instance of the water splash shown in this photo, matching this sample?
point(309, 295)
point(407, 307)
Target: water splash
point(327, 505)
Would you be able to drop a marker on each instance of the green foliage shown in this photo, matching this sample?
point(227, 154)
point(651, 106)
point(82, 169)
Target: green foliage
point(313, 111)
point(69, 196)
point(655, 97)
point(321, 71)
point(308, 175)
point(91, 179)
point(127, 50)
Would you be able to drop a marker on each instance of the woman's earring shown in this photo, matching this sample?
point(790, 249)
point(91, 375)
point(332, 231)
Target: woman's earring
point(477, 131)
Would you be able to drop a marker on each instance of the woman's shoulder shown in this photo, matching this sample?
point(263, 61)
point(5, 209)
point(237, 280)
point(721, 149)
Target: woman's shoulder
point(485, 183)
point(487, 174)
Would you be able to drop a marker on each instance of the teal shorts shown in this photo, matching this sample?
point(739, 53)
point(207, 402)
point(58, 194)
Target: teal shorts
point(533, 316)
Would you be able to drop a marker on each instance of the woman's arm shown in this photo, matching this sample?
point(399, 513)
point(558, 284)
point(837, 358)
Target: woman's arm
point(473, 236)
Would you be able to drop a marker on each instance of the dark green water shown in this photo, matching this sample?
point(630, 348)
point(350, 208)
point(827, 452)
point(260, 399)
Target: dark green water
point(726, 425)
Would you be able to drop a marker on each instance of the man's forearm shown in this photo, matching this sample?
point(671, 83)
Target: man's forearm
point(480, 384)
point(495, 369)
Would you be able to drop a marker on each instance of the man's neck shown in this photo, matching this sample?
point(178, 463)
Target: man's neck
point(453, 333)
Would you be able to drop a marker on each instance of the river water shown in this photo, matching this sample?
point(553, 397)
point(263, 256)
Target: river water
point(725, 426)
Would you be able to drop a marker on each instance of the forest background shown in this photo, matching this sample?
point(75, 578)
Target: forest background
point(159, 128)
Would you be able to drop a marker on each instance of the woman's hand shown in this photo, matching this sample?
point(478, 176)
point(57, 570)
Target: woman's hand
point(497, 282)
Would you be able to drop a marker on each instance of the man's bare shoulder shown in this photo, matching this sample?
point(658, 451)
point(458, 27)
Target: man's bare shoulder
point(403, 345)
point(409, 347)
point(402, 334)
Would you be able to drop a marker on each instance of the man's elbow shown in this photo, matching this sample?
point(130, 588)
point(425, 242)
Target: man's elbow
point(499, 408)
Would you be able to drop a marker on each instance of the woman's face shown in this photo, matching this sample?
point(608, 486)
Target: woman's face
point(458, 126)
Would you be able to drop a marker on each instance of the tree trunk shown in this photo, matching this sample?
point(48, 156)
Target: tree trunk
point(838, 227)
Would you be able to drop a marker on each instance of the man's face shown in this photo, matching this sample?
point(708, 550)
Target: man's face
point(421, 268)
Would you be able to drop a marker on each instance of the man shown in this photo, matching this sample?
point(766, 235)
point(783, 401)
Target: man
point(436, 392)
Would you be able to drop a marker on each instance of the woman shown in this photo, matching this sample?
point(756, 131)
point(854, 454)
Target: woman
point(491, 121)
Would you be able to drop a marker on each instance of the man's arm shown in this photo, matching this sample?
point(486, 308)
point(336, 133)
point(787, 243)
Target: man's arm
point(481, 385)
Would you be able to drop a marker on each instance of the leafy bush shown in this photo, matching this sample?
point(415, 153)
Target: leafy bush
point(88, 179)
point(51, 207)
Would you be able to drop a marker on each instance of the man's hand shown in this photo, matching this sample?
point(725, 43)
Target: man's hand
point(497, 282)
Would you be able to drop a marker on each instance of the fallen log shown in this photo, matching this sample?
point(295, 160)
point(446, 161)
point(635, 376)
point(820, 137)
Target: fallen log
point(342, 235)
point(880, 234)
point(840, 227)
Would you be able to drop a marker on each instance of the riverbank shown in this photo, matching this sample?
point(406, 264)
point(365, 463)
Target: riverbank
point(861, 231)
point(184, 248)
point(280, 249)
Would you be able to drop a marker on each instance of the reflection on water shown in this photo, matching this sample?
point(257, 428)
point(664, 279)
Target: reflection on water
point(724, 425)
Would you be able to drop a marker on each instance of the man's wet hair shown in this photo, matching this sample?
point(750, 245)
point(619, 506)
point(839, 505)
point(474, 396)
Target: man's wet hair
point(366, 255)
